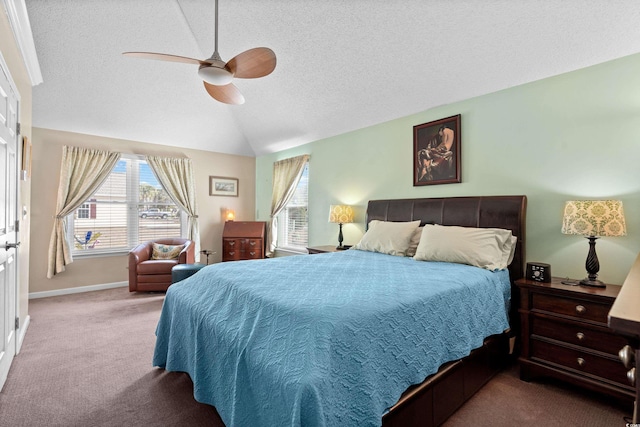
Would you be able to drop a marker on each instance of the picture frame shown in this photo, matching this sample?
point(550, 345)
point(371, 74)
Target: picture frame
point(26, 157)
point(436, 152)
point(223, 186)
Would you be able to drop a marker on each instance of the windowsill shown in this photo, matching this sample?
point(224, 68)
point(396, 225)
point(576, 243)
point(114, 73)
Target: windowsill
point(290, 251)
point(91, 254)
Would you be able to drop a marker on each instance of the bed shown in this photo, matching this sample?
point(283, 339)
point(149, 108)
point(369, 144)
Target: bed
point(348, 338)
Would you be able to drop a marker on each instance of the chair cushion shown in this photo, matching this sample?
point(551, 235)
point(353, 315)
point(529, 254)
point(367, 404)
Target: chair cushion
point(160, 266)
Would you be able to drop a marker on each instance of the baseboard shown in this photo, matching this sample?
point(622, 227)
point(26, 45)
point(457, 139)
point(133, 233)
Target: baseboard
point(67, 291)
point(23, 332)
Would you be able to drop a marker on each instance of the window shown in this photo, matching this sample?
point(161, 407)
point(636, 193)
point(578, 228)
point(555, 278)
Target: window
point(83, 211)
point(87, 210)
point(130, 207)
point(293, 223)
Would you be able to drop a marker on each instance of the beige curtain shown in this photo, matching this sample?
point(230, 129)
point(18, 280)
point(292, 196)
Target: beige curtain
point(82, 171)
point(177, 179)
point(286, 175)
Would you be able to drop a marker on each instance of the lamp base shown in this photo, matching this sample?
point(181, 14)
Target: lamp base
point(593, 283)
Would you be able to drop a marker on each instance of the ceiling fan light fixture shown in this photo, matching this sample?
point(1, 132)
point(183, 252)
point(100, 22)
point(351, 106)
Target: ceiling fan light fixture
point(215, 75)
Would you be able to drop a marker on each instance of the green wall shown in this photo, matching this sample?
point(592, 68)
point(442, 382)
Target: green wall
point(572, 136)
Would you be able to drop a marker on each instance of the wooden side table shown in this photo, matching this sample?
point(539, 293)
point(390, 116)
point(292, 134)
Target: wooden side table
point(565, 335)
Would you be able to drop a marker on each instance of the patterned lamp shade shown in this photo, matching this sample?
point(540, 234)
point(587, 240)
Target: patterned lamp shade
point(342, 214)
point(594, 218)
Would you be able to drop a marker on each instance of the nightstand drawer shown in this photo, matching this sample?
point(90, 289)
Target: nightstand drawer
point(579, 309)
point(578, 334)
point(573, 359)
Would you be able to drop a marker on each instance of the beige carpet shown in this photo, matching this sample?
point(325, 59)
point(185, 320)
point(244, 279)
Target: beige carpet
point(86, 361)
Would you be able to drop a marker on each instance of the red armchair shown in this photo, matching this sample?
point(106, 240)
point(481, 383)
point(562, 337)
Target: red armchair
point(146, 274)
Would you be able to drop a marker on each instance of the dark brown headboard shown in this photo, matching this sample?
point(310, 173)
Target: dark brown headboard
point(506, 212)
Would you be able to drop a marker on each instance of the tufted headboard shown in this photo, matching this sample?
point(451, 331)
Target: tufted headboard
point(506, 212)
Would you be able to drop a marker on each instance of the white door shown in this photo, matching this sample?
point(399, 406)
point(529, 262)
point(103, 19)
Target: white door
point(9, 99)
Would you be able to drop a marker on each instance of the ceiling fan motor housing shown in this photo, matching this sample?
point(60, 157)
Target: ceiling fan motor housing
point(215, 73)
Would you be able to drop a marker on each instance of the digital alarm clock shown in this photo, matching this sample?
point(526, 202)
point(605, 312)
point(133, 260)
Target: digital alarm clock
point(539, 272)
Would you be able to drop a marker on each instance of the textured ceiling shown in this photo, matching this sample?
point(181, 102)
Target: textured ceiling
point(342, 65)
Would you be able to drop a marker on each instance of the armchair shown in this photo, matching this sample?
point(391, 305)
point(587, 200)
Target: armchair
point(146, 274)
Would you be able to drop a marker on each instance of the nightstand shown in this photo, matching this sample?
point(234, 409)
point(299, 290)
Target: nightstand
point(565, 335)
point(324, 249)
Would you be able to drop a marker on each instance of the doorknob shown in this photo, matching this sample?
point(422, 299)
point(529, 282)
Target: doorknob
point(8, 245)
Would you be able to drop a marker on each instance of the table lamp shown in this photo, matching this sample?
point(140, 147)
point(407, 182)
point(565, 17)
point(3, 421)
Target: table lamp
point(342, 214)
point(593, 219)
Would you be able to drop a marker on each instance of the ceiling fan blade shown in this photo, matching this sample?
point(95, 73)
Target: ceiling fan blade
point(165, 57)
point(229, 94)
point(253, 63)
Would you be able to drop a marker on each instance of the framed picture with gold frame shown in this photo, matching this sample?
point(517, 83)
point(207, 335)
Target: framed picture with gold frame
point(223, 186)
point(26, 157)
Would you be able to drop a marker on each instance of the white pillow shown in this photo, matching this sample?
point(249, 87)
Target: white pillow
point(489, 248)
point(414, 241)
point(387, 237)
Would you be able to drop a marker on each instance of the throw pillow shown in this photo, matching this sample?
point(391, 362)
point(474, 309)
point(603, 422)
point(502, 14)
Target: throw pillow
point(161, 251)
point(387, 237)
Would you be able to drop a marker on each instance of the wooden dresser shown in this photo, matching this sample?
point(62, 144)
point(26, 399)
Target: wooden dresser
point(565, 336)
point(624, 318)
point(243, 240)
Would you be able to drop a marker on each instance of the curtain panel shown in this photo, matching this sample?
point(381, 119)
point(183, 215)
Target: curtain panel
point(177, 178)
point(82, 172)
point(286, 175)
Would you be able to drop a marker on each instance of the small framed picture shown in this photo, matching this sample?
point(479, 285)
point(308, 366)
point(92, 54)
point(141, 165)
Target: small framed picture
point(436, 152)
point(26, 157)
point(223, 186)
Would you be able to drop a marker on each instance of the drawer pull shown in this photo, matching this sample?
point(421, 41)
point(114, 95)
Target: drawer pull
point(631, 376)
point(580, 336)
point(581, 362)
point(252, 243)
point(232, 243)
point(581, 309)
point(627, 356)
point(232, 253)
point(252, 253)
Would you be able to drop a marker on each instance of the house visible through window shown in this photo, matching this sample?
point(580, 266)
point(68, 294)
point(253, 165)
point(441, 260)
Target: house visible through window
point(130, 207)
point(293, 224)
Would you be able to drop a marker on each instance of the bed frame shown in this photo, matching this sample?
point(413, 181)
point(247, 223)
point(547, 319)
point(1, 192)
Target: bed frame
point(440, 395)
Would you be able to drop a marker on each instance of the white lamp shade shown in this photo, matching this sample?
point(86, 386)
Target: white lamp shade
point(594, 218)
point(341, 214)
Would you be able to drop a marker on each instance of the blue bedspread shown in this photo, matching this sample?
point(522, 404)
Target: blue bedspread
point(323, 340)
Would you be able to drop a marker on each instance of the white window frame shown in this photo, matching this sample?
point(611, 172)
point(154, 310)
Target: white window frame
point(133, 225)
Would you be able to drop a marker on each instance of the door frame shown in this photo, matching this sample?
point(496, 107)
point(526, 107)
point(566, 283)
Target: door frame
point(17, 333)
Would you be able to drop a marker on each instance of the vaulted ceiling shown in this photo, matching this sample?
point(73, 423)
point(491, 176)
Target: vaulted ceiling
point(342, 65)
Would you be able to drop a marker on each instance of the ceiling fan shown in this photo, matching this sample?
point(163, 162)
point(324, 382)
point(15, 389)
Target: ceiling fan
point(218, 75)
